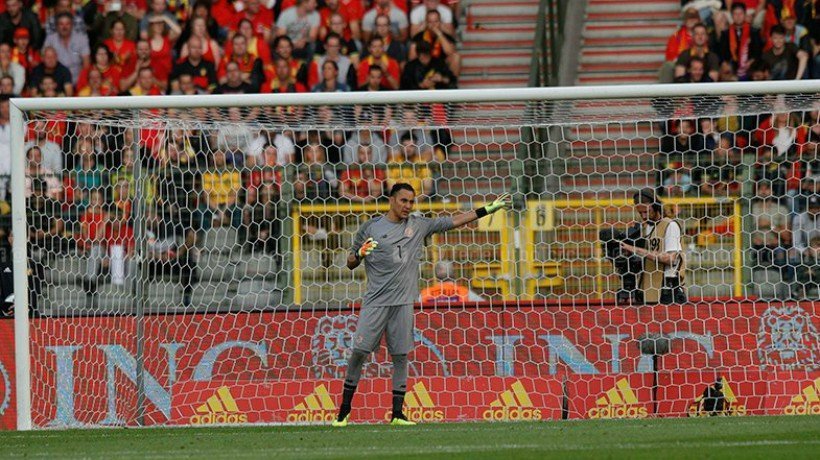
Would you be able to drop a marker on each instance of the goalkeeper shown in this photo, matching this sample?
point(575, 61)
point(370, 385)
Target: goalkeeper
point(390, 246)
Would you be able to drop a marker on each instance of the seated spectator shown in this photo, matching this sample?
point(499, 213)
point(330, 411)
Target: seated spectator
point(221, 184)
point(202, 71)
point(678, 181)
point(250, 67)
point(379, 115)
point(442, 45)
point(330, 80)
point(677, 43)
point(7, 88)
point(699, 49)
point(260, 17)
point(418, 17)
point(424, 72)
point(770, 243)
point(283, 48)
point(805, 228)
point(45, 233)
point(261, 223)
point(233, 82)
point(12, 69)
point(166, 256)
point(740, 44)
point(794, 32)
point(160, 52)
point(211, 51)
point(808, 273)
point(70, 45)
point(76, 10)
point(49, 88)
point(398, 20)
point(720, 177)
point(119, 243)
point(146, 84)
point(91, 240)
point(159, 12)
point(377, 57)
point(225, 14)
point(349, 46)
point(283, 80)
point(446, 288)
point(202, 10)
point(783, 131)
point(364, 137)
point(54, 69)
point(346, 69)
point(300, 23)
point(786, 60)
point(51, 153)
point(20, 17)
point(256, 45)
point(315, 178)
point(102, 61)
point(407, 165)
point(396, 49)
point(96, 85)
point(759, 71)
point(36, 170)
point(362, 181)
point(122, 197)
point(695, 72)
point(350, 13)
point(123, 50)
point(22, 52)
point(127, 15)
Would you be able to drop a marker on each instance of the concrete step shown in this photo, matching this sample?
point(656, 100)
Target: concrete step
point(500, 45)
point(476, 60)
point(608, 67)
point(594, 54)
point(494, 70)
point(616, 31)
point(617, 80)
point(498, 35)
point(511, 8)
point(622, 42)
point(611, 131)
point(490, 82)
point(633, 15)
point(626, 6)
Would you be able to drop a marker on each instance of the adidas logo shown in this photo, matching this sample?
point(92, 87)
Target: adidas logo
point(317, 407)
point(619, 402)
point(807, 402)
point(513, 404)
point(419, 406)
point(219, 408)
point(731, 406)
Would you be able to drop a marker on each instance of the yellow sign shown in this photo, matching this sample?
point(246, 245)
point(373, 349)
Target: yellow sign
point(219, 408)
point(807, 402)
point(618, 402)
point(731, 407)
point(317, 407)
point(513, 404)
point(419, 406)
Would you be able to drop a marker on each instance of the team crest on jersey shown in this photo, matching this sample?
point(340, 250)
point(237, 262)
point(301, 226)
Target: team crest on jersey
point(788, 339)
point(408, 232)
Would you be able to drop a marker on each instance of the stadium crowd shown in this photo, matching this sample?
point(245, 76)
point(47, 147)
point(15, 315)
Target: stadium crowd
point(752, 40)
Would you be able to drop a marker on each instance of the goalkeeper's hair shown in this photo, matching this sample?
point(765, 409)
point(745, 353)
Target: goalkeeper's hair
point(401, 186)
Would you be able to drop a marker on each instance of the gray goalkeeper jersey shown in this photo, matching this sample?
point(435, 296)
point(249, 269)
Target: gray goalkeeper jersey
point(393, 267)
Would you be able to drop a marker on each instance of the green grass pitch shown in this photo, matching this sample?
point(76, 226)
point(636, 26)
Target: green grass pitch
point(716, 437)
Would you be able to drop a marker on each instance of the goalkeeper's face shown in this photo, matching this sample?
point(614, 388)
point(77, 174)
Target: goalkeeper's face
point(401, 204)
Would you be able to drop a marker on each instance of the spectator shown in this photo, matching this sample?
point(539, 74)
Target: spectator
point(315, 178)
point(677, 43)
point(377, 57)
point(786, 60)
point(283, 80)
point(48, 88)
point(362, 181)
point(261, 221)
point(699, 49)
point(378, 115)
point(250, 67)
point(695, 72)
point(346, 69)
point(256, 45)
point(70, 45)
point(202, 10)
point(146, 84)
point(221, 185)
point(87, 176)
point(364, 137)
point(159, 12)
point(398, 20)
point(36, 170)
point(75, 10)
point(759, 71)
point(18, 16)
point(104, 24)
point(103, 61)
point(330, 80)
point(123, 49)
point(424, 72)
point(202, 71)
point(300, 23)
point(160, 52)
point(442, 45)
point(283, 47)
point(350, 15)
point(45, 231)
point(783, 131)
point(23, 53)
point(5, 146)
point(447, 289)
point(260, 17)
point(211, 51)
point(805, 227)
point(418, 17)
point(119, 243)
point(678, 181)
point(121, 204)
point(407, 165)
point(740, 44)
point(91, 240)
point(770, 242)
point(167, 256)
point(349, 46)
point(234, 82)
point(395, 49)
point(12, 69)
point(808, 273)
point(794, 32)
point(720, 177)
point(7, 87)
point(225, 14)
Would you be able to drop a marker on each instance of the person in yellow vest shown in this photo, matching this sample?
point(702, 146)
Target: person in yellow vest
point(662, 280)
point(446, 289)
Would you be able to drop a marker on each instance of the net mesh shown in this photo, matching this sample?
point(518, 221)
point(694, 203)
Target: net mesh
point(189, 266)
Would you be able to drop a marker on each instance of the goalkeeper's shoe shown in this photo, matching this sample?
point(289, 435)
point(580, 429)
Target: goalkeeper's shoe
point(341, 423)
point(401, 420)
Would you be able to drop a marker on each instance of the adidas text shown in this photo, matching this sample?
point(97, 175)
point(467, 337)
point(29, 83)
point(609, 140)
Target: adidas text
point(802, 409)
point(312, 416)
point(618, 412)
point(419, 415)
point(210, 419)
point(514, 413)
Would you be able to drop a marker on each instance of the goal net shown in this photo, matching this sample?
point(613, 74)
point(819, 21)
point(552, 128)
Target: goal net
point(185, 258)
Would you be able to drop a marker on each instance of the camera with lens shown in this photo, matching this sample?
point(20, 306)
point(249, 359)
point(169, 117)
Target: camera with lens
point(628, 266)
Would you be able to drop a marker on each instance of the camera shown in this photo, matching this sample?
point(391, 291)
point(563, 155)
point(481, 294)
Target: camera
point(628, 266)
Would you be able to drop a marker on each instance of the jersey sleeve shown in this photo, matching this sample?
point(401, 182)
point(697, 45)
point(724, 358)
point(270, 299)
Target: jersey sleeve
point(361, 236)
point(437, 225)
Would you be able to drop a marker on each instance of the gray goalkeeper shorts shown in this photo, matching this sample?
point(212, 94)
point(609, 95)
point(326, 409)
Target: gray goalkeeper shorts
point(396, 322)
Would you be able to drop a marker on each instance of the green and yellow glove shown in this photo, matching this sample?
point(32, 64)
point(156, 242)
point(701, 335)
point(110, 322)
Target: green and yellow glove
point(502, 202)
point(369, 246)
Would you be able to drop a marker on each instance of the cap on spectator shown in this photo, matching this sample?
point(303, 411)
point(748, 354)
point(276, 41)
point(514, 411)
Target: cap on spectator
point(691, 13)
point(814, 201)
point(786, 13)
point(22, 32)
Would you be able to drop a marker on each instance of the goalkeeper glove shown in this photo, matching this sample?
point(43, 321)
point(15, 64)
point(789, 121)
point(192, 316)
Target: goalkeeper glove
point(369, 246)
point(502, 202)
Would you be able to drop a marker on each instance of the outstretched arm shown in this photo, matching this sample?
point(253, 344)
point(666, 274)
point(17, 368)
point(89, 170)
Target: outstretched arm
point(502, 202)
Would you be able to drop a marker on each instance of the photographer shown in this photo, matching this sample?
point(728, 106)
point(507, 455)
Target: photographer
point(662, 278)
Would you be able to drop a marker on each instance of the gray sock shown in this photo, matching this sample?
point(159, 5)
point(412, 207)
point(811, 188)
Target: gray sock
point(399, 373)
point(354, 373)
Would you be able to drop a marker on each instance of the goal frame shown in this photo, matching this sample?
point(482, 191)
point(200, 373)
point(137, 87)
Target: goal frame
point(18, 107)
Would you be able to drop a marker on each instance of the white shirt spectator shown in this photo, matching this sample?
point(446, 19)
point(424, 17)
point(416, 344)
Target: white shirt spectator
point(5, 158)
point(16, 72)
point(398, 21)
point(350, 149)
point(285, 150)
point(52, 154)
point(419, 14)
point(71, 54)
point(298, 28)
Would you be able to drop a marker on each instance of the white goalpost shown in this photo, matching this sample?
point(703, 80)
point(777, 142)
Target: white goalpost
point(186, 264)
